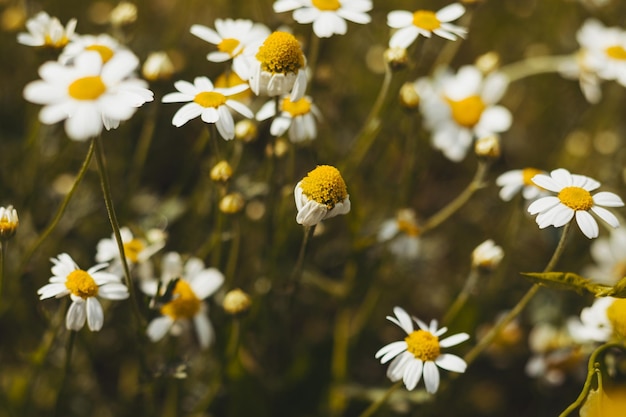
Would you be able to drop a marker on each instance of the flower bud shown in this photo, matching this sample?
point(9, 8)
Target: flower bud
point(488, 147)
point(8, 222)
point(409, 98)
point(487, 256)
point(221, 172)
point(396, 58)
point(236, 302)
point(232, 203)
point(158, 67)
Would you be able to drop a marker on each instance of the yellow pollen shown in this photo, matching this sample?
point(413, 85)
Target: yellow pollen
point(467, 112)
point(425, 19)
point(228, 45)
point(423, 345)
point(576, 198)
point(184, 304)
point(210, 99)
point(298, 108)
point(325, 185)
point(81, 284)
point(132, 250)
point(105, 52)
point(59, 43)
point(616, 52)
point(528, 174)
point(326, 4)
point(280, 54)
point(408, 227)
point(87, 88)
point(616, 313)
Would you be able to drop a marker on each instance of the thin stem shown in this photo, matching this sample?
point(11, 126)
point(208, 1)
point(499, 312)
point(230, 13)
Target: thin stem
point(3, 246)
point(69, 348)
point(382, 400)
point(143, 146)
point(534, 65)
point(233, 255)
point(461, 299)
point(313, 53)
point(297, 270)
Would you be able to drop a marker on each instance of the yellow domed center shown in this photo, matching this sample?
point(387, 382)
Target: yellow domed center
point(467, 112)
point(184, 304)
point(210, 99)
point(229, 45)
point(280, 54)
point(87, 88)
point(423, 345)
point(576, 198)
point(327, 4)
point(132, 250)
point(325, 185)
point(81, 284)
point(427, 20)
point(105, 52)
point(528, 174)
point(616, 52)
point(616, 313)
point(297, 108)
point(55, 43)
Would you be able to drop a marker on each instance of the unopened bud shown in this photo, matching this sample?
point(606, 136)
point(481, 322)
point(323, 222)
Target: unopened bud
point(158, 67)
point(236, 302)
point(246, 130)
point(8, 222)
point(487, 256)
point(409, 98)
point(488, 147)
point(221, 172)
point(124, 13)
point(396, 58)
point(232, 203)
point(488, 62)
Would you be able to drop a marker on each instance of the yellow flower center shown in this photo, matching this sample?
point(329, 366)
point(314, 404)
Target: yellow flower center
point(59, 43)
point(576, 198)
point(132, 250)
point(408, 227)
point(616, 52)
point(327, 4)
point(528, 174)
point(105, 52)
point(87, 88)
point(325, 185)
point(423, 345)
point(231, 79)
point(228, 45)
point(425, 19)
point(184, 304)
point(467, 112)
point(210, 99)
point(616, 313)
point(280, 54)
point(81, 284)
point(297, 108)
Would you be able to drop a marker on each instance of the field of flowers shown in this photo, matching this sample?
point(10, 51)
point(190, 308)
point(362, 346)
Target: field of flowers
point(312, 208)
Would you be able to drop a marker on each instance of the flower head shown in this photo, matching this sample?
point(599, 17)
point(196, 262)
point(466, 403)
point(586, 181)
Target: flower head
point(89, 94)
point(47, 31)
point(402, 232)
point(328, 16)
point(573, 199)
point(487, 255)
point(8, 222)
point(105, 45)
point(83, 287)
point(320, 195)
point(603, 321)
point(520, 179)
point(208, 102)
point(425, 23)
point(609, 255)
point(295, 117)
point(420, 352)
point(158, 66)
point(136, 250)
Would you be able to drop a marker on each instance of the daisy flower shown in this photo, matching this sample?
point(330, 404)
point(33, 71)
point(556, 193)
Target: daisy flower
point(208, 102)
point(297, 118)
point(487, 256)
point(83, 287)
point(136, 250)
point(574, 199)
point(320, 195)
point(8, 222)
point(609, 255)
point(605, 50)
point(516, 180)
point(89, 94)
point(328, 16)
point(103, 44)
point(44, 30)
point(194, 284)
point(459, 107)
point(410, 25)
point(234, 40)
point(402, 232)
point(279, 67)
point(603, 321)
point(420, 353)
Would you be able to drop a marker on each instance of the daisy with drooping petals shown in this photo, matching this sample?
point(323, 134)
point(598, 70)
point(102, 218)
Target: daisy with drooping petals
point(574, 199)
point(420, 353)
point(297, 118)
point(8, 222)
point(519, 179)
point(47, 31)
point(208, 102)
point(234, 40)
point(328, 16)
point(320, 195)
point(89, 94)
point(82, 287)
point(103, 44)
point(460, 107)
point(195, 283)
point(425, 22)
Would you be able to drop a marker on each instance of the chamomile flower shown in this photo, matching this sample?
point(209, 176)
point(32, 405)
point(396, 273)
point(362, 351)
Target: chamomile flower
point(320, 195)
point(574, 199)
point(8, 222)
point(516, 180)
point(459, 107)
point(410, 25)
point(103, 44)
point(605, 50)
point(194, 284)
point(279, 67)
point(89, 94)
point(402, 234)
point(235, 39)
point(609, 255)
point(420, 352)
point(47, 31)
point(328, 16)
point(136, 250)
point(297, 118)
point(83, 287)
point(603, 321)
point(208, 102)
point(487, 256)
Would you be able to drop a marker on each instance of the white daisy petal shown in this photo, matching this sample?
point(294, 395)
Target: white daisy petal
point(95, 315)
point(159, 327)
point(606, 215)
point(451, 363)
point(431, 377)
point(607, 199)
point(450, 12)
point(412, 373)
point(587, 224)
point(454, 340)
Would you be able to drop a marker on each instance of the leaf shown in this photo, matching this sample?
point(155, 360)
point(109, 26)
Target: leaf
point(572, 282)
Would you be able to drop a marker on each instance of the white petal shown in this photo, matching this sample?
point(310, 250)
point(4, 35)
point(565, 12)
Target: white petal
point(286, 5)
point(355, 16)
point(280, 125)
point(186, 113)
point(451, 363)
point(399, 18)
point(413, 373)
point(177, 98)
point(403, 38)
point(543, 204)
point(587, 224)
point(606, 215)
point(113, 291)
point(204, 330)
point(159, 327)
point(395, 372)
point(95, 315)
point(210, 115)
point(403, 319)
point(206, 34)
point(76, 316)
point(495, 119)
point(607, 199)
point(206, 282)
point(562, 177)
point(431, 377)
point(545, 181)
point(86, 122)
point(240, 108)
point(391, 351)
point(454, 340)
point(450, 12)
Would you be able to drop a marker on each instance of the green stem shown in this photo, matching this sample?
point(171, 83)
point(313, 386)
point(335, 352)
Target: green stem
point(3, 246)
point(143, 146)
point(382, 400)
point(66, 369)
point(297, 270)
point(461, 299)
point(233, 255)
point(533, 66)
point(313, 53)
